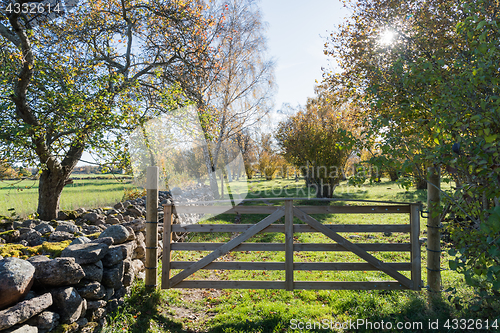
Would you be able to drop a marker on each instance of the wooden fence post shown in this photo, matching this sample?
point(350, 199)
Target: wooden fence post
point(433, 234)
point(289, 245)
point(151, 228)
point(167, 241)
point(416, 271)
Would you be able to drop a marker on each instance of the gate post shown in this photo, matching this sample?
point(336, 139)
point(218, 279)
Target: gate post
point(151, 227)
point(433, 234)
point(167, 241)
point(416, 270)
point(289, 245)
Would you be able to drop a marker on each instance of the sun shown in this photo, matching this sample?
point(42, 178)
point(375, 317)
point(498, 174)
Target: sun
point(387, 37)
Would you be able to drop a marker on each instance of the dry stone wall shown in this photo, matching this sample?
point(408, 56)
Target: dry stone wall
point(74, 290)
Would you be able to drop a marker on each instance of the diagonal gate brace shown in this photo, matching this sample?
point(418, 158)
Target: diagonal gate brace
point(279, 213)
point(352, 247)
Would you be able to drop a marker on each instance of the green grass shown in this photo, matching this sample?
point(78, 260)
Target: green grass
point(200, 310)
point(22, 196)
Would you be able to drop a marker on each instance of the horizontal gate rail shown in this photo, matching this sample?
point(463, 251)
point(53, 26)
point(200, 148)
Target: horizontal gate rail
point(303, 213)
point(381, 247)
point(398, 209)
point(297, 266)
point(296, 228)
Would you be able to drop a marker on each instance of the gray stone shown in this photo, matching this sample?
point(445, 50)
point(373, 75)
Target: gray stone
point(112, 221)
point(30, 223)
point(92, 291)
point(113, 305)
point(90, 229)
point(44, 228)
point(22, 329)
point(86, 253)
point(131, 232)
point(80, 240)
point(33, 237)
point(109, 294)
point(106, 240)
point(128, 273)
point(138, 266)
point(57, 272)
point(139, 237)
point(67, 227)
point(93, 272)
point(69, 304)
point(136, 224)
point(115, 254)
point(94, 305)
point(82, 322)
point(119, 206)
point(118, 232)
point(24, 310)
point(140, 251)
point(120, 293)
point(92, 217)
point(61, 215)
point(112, 212)
point(98, 314)
point(112, 276)
point(134, 211)
point(45, 321)
point(81, 211)
point(59, 236)
point(16, 279)
point(12, 237)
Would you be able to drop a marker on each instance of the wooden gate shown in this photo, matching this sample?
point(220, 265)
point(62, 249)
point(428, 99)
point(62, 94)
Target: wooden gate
point(288, 210)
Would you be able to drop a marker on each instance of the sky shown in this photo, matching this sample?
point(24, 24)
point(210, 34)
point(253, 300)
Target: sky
point(296, 35)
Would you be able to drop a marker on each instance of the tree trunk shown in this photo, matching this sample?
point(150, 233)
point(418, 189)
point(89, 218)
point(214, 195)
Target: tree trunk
point(212, 177)
point(50, 187)
point(393, 175)
point(325, 190)
point(420, 183)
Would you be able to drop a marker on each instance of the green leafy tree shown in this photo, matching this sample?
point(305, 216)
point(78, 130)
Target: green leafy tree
point(317, 142)
point(81, 81)
point(432, 95)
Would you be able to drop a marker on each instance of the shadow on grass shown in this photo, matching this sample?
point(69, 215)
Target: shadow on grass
point(414, 316)
point(141, 312)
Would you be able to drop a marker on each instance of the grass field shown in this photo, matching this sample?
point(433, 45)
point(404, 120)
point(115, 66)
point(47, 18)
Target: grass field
point(208, 310)
point(86, 193)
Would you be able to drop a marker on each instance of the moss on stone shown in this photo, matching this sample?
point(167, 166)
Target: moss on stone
point(13, 250)
point(18, 250)
point(95, 235)
point(72, 214)
point(8, 232)
point(90, 327)
point(52, 249)
point(66, 328)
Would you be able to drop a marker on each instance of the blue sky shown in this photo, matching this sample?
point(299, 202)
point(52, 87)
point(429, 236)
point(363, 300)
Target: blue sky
point(296, 36)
